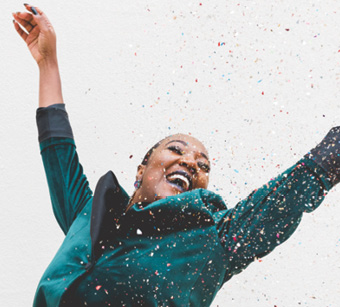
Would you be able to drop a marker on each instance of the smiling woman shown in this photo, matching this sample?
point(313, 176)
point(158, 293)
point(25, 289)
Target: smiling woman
point(173, 242)
point(177, 164)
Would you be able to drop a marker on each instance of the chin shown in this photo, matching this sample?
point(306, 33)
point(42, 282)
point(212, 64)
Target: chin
point(169, 192)
point(158, 197)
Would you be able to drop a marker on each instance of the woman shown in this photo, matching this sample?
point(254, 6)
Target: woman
point(173, 243)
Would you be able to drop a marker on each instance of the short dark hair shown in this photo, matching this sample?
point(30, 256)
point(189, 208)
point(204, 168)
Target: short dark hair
point(150, 151)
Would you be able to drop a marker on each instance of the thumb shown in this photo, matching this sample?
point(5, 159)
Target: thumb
point(40, 18)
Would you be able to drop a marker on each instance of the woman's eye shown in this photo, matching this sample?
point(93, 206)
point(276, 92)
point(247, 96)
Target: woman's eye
point(176, 149)
point(204, 167)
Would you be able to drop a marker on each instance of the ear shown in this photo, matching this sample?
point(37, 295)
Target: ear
point(140, 172)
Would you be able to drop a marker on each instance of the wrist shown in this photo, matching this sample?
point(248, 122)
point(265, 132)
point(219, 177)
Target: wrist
point(50, 63)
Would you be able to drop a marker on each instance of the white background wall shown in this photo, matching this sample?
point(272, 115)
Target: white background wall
point(267, 91)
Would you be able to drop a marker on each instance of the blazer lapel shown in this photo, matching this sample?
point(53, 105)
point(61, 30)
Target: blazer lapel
point(108, 205)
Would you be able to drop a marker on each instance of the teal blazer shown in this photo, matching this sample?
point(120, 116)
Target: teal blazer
point(177, 251)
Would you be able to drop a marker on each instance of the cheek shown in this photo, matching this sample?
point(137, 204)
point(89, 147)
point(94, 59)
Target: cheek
point(153, 175)
point(203, 180)
point(152, 178)
point(157, 168)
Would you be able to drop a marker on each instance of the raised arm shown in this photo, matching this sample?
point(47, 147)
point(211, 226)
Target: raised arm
point(68, 186)
point(270, 214)
point(39, 35)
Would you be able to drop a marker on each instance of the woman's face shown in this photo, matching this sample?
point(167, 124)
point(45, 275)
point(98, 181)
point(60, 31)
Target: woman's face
point(179, 164)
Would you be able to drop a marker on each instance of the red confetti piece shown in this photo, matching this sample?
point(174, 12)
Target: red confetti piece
point(98, 287)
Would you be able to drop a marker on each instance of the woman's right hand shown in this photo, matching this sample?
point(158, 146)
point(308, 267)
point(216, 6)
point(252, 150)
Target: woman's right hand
point(327, 154)
point(41, 38)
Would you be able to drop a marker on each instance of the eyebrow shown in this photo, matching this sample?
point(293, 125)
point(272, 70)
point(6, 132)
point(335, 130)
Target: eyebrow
point(186, 144)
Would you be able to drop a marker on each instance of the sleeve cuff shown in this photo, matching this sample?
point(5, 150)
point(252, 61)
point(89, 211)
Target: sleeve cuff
point(53, 121)
point(321, 173)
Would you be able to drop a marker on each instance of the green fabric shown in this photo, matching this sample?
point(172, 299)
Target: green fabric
point(176, 251)
point(68, 186)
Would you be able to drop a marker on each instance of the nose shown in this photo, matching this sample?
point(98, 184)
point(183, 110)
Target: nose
point(190, 163)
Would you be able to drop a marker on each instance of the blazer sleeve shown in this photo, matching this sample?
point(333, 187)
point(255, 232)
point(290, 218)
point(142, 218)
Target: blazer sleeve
point(68, 186)
point(270, 214)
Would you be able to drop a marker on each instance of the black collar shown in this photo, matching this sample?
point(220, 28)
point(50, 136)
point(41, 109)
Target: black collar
point(109, 203)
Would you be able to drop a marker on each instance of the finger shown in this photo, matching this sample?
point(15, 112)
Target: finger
point(33, 35)
point(40, 18)
point(27, 16)
point(29, 8)
point(28, 27)
point(20, 31)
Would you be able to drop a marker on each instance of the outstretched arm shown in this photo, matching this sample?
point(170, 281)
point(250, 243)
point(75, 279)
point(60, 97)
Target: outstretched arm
point(270, 214)
point(68, 186)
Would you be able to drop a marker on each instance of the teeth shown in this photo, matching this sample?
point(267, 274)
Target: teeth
point(181, 177)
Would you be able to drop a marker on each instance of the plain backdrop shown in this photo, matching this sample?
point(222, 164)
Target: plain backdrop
point(256, 81)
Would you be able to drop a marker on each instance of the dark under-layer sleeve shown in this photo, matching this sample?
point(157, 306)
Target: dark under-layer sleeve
point(68, 186)
point(270, 214)
point(53, 121)
point(327, 155)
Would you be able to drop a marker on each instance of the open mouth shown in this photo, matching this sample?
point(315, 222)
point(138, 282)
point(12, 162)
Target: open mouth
point(181, 180)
